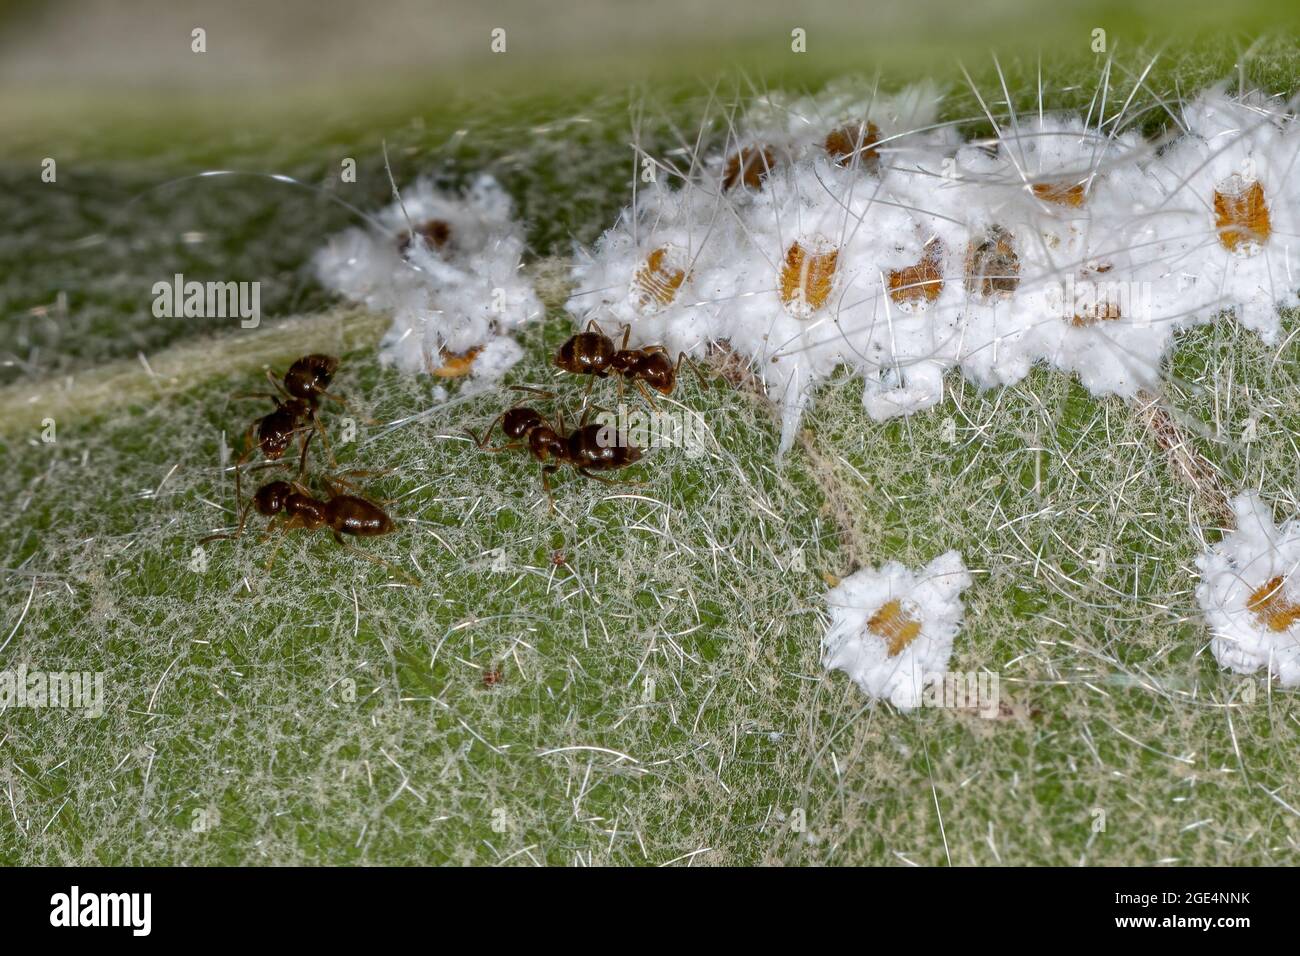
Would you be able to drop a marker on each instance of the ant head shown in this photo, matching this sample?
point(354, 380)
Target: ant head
point(274, 442)
point(656, 369)
point(521, 420)
point(309, 375)
point(270, 498)
point(585, 353)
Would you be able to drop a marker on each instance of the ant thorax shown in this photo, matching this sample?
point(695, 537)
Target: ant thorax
point(306, 511)
point(544, 443)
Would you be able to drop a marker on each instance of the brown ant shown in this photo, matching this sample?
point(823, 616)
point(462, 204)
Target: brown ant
point(587, 449)
point(290, 505)
point(594, 353)
point(303, 386)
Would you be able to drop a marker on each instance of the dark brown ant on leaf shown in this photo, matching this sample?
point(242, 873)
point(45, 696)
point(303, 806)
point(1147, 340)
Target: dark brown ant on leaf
point(594, 353)
point(292, 506)
point(586, 449)
point(297, 399)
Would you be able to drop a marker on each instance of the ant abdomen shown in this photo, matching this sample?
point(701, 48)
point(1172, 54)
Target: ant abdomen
point(589, 447)
point(306, 511)
point(587, 353)
point(348, 514)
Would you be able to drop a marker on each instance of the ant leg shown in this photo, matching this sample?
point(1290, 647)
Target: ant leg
point(277, 384)
point(411, 578)
point(248, 452)
point(483, 442)
point(319, 429)
point(243, 516)
point(593, 324)
point(646, 393)
point(302, 490)
point(586, 414)
point(608, 481)
point(627, 334)
point(280, 526)
point(487, 435)
point(694, 367)
point(276, 527)
point(302, 459)
point(547, 471)
point(536, 391)
point(272, 527)
point(496, 449)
